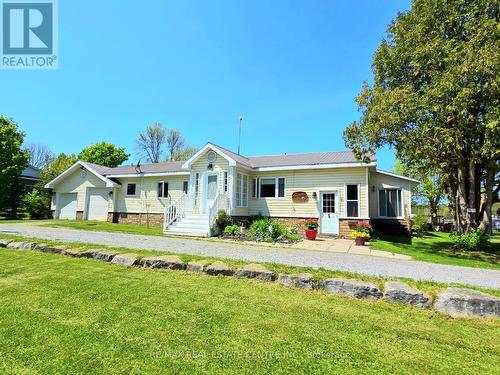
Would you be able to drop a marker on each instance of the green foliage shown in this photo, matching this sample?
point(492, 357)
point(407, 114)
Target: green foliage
point(476, 240)
point(435, 95)
point(13, 160)
point(293, 230)
point(267, 230)
point(222, 221)
point(56, 167)
point(104, 153)
point(419, 225)
point(37, 205)
point(232, 230)
point(184, 153)
point(311, 224)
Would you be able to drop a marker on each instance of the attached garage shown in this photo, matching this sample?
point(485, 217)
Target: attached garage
point(98, 202)
point(66, 206)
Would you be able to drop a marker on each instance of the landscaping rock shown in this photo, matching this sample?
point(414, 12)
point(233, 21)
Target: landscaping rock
point(219, 268)
point(256, 271)
point(49, 248)
point(4, 242)
point(301, 280)
point(460, 302)
point(128, 260)
point(88, 253)
point(351, 288)
point(104, 256)
point(168, 261)
point(399, 292)
point(20, 245)
point(197, 266)
point(73, 252)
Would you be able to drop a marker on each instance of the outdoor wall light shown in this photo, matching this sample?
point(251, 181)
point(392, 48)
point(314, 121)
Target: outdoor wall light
point(373, 189)
point(110, 194)
point(210, 167)
point(314, 195)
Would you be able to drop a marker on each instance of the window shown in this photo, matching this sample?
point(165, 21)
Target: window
point(225, 182)
point(131, 189)
point(389, 203)
point(255, 187)
point(185, 186)
point(273, 187)
point(352, 201)
point(162, 189)
point(241, 190)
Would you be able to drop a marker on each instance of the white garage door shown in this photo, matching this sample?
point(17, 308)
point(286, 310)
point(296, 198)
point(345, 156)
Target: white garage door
point(67, 206)
point(98, 204)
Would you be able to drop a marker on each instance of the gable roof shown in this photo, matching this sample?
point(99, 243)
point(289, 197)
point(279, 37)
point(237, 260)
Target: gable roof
point(147, 169)
point(93, 168)
point(315, 159)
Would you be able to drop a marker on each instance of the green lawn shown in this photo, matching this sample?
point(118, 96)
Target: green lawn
point(67, 315)
point(103, 226)
point(435, 247)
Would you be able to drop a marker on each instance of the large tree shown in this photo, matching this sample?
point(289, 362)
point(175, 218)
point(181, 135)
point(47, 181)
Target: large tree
point(429, 191)
point(104, 153)
point(55, 168)
point(40, 155)
point(435, 98)
point(13, 160)
point(151, 141)
point(175, 143)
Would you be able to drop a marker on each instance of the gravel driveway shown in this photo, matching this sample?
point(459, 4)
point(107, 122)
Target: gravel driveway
point(369, 265)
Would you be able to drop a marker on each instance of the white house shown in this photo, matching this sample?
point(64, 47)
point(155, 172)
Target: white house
point(185, 197)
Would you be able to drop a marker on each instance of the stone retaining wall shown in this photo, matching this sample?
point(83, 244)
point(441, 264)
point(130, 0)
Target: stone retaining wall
point(153, 220)
point(456, 302)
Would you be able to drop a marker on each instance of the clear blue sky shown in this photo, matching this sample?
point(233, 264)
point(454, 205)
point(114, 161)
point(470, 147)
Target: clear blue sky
point(291, 68)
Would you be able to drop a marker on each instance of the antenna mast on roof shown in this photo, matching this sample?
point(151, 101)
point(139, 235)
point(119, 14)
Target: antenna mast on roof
point(239, 136)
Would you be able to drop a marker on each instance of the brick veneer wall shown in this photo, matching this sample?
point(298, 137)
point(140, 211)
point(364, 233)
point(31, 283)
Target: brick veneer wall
point(155, 220)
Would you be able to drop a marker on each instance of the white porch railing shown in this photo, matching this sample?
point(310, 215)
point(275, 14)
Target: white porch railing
point(221, 202)
point(179, 208)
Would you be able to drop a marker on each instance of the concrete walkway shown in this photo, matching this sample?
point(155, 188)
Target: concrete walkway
point(370, 265)
point(331, 244)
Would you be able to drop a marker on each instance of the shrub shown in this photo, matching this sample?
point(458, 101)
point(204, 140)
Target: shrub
point(312, 224)
point(36, 205)
point(232, 230)
point(293, 230)
point(419, 225)
point(223, 220)
point(267, 230)
point(473, 241)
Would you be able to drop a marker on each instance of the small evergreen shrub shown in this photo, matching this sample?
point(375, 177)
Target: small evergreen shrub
point(419, 225)
point(476, 240)
point(232, 230)
point(222, 221)
point(36, 205)
point(267, 230)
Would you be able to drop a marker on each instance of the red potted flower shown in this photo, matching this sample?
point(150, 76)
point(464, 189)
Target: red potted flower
point(312, 229)
point(362, 233)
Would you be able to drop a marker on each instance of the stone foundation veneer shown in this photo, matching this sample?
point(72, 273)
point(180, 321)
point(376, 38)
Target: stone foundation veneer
point(151, 219)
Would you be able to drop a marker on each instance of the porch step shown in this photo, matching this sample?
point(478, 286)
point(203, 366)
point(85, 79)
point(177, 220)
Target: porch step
point(193, 224)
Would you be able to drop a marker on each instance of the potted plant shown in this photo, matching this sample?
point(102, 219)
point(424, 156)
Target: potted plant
point(362, 232)
point(360, 237)
point(312, 229)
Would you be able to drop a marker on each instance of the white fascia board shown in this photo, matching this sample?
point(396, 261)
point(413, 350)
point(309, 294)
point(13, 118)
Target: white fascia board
point(212, 147)
point(76, 166)
point(313, 166)
point(159, 174)
point(397, 176)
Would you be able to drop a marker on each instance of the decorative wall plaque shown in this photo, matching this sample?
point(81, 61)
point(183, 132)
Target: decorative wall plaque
point(300, 197)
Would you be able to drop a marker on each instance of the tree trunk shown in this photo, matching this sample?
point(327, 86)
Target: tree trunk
point(486, 222)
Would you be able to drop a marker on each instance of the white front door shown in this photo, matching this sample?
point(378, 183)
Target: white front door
point(97, 208)
point(210, 191)
point(329, 216)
